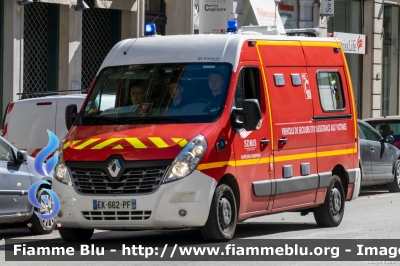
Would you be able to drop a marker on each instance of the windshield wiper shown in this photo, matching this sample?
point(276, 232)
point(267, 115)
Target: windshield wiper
point(157, 119)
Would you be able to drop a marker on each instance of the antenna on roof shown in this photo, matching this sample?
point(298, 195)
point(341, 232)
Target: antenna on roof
point(155, 19)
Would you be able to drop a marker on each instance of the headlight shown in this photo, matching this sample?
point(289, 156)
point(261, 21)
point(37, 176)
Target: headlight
point(187, 160)
point(61, 170)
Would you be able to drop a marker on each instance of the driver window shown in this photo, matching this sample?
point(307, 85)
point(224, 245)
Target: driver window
point(247, 86)
point(6, 152)
point(369, 132)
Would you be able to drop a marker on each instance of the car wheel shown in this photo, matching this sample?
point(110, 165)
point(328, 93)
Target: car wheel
point(330, 213)
point(395, 185)
point(39, 226)
point(75, 234)
point(221, 223)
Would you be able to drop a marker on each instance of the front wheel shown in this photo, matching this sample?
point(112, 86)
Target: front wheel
point(330, 213)
point(221, 223)
point(395, 185)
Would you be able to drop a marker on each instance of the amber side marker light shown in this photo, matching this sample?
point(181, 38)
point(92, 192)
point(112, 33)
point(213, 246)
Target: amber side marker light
point(251, 43)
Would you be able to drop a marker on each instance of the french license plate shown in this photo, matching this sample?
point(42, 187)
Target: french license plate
point(114, 204)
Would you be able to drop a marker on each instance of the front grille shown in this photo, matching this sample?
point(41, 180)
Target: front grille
point(133, 180)
point(120, 215)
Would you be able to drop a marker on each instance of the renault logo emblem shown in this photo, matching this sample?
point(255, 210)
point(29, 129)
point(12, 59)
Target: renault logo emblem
point(114, 167)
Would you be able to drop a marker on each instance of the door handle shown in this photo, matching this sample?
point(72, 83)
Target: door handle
point(283, 140)
point(264, 141)
point(372, 149)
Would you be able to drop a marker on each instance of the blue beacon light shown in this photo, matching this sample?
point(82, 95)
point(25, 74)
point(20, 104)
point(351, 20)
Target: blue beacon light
point(150, 29)
point(232, 26)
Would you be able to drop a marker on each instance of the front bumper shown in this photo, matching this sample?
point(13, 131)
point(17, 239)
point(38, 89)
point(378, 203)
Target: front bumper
point(193, 194)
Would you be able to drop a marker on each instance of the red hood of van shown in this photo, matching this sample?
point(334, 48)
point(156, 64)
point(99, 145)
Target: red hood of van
point(132, 142)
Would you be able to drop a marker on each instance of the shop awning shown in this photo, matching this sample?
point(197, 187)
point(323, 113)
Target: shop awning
point(117, 4)
point(109, 4)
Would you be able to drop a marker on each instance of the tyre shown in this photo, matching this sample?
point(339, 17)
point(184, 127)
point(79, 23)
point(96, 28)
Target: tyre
point(330, 213)
point(38, 226)
point(395, 185)
point(75, 234)
point(221, 223)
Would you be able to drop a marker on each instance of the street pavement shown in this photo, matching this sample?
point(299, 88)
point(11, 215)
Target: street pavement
point(374, 215)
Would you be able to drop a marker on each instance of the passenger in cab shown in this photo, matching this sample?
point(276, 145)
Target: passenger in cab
point(137, 94)
point(175, 92)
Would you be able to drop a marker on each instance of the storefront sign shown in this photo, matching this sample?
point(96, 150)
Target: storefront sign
point(213, 16)
point(288, 10)
point(327, 8)
point(351, 43)
point(266, 13)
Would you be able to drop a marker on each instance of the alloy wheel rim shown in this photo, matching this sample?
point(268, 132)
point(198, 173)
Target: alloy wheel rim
point(48, 208)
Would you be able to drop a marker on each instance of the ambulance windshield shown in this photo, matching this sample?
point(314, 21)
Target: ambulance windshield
point(158, 93)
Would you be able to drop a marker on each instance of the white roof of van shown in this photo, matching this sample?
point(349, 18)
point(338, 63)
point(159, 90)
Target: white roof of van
point(188, 48)
point(52, 97)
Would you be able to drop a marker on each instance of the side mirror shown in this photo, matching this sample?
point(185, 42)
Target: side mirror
point(21, 156)
point(389, 139)
point(251, 112)
point(71, 111)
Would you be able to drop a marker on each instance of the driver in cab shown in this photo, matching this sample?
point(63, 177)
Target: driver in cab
point(215, 82)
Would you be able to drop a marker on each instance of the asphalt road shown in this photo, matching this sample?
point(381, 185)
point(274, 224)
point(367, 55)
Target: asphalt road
point(374, 215)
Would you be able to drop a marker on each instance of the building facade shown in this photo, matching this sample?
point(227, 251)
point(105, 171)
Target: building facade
point(48, 45)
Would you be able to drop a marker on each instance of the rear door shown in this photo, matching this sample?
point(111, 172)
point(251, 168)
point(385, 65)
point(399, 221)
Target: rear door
point(28, 123)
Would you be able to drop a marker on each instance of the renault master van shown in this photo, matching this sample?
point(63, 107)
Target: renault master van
point(207, 131)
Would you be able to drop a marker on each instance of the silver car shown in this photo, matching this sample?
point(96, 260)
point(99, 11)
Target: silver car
point(17, 174)
point(379, 160)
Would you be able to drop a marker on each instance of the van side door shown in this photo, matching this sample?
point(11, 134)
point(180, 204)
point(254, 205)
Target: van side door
point(294, 137)
point(252, 148)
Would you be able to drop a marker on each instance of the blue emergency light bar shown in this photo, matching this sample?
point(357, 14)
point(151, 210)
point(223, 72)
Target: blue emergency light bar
point(150, 29)
point(232, 26)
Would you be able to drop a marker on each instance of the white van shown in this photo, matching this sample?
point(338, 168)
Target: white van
point(26, 121)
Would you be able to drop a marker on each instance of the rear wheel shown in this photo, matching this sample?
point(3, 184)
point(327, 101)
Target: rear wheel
point(395, 185)
point(75, 234)
point(330, 213)
point(221, 223)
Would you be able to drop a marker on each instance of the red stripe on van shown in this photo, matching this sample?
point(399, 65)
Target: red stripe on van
point(10, 107)
point(5, 129)
point(44, 103)
point(35, 152)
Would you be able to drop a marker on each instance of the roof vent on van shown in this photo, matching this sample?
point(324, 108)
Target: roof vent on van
point(311, 32)
point(258, 30)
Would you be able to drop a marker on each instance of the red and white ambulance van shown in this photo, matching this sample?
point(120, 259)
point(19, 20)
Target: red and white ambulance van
point(208, 131)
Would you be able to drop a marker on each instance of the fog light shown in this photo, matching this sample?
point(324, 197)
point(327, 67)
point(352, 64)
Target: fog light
point(182, 213)
point(59, 214)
